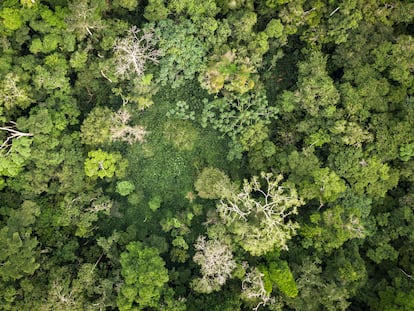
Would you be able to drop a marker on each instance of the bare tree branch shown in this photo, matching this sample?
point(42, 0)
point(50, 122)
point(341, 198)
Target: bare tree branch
point(134, 51)
point(253, 288)
point(12, 134)
point(216, 260)
point(263, 212)
point(120, 129)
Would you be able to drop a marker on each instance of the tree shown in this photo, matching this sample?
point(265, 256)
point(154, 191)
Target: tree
point(14, 152)
point(243, 118)
point(182, 51)
point(139, 91)
point(278, 273)
point(120, 130)
point(317, 290)
point(181, 134)
point(261, 218)
point(145, 276)
point(103, 125)
point(331, 229)
point(365, 175)
point(261, 155)
point(52, 76)
point(274, 29)
point(212, 183)
point(96, 126)
point(319, 91)
point(128, 4)
point(342, 20)
point(84, 17)
point(316, 92)
point(325, 185)
point(125, 187)
point(12, 19)
point(12, 93)
point(12, 134)
point(394, 299)
point(227, 72)
point(216, 260)
point(194, 9)
point(253, 289)
point(18, 256)
point(103, 164)
point(132, 52)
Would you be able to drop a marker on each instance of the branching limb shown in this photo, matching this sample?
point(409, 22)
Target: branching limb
point(11, 134)
point(133, 52)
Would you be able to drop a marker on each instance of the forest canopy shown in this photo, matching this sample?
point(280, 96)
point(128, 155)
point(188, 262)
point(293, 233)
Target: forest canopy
point(206, 155)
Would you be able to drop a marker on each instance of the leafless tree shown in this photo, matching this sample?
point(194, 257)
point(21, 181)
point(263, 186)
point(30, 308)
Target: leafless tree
point(120, 129)
point(262, 215)
point(130, 134)
point(134, 51)
point(253, 288)
point(216, 260)
point(60, 297)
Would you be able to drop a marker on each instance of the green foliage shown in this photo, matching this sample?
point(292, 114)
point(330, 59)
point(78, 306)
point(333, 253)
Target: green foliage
point(13, 94)
point(243, 119)
point(331, 229)
point(145, 277)
point(274, 29)
point(406, 152)
point(212, 183)
point(280, 275)
point(49, 44)
point(173, 152)
point(127, 4)
point(161, 165)
point(125, 187)
point(319, 91)
point(316, 91)
point(261, 154)
point(242, 22)
point(227, 72)
point(194, 9)
point(84, 17)
point(390, 299)
point(139, 91)
point(103, 164)
point(343, 21)
point(177, 227)
point(11, 18)
point(181, 111)
point(225, 300)
point(265, 218)
point(182, 52)
point(96, 127)
point(326, 185)
point(13, 161)
point(155, 203)
point(18, 246)
point(79, 59)
point(365, 175)
point(182, 134)
point(156, 10)
point(53, 75)
point(28, 3)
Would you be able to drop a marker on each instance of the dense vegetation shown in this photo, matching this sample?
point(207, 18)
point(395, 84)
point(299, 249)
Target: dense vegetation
point(206, 155)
